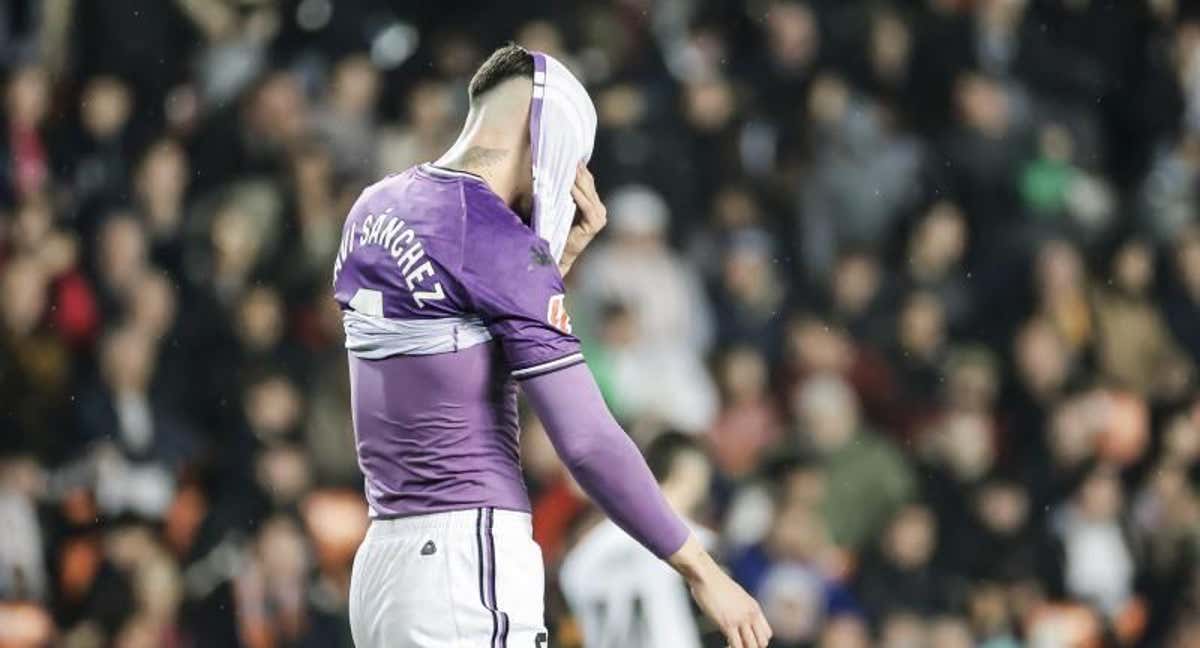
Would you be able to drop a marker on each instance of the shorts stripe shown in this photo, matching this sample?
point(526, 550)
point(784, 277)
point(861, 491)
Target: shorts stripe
point(487, 576)
point(479, 548)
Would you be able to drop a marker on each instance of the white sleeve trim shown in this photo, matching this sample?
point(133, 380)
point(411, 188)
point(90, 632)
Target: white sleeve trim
point(548, 366)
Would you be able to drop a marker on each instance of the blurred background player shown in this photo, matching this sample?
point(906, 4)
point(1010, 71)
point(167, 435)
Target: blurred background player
point(620, 593)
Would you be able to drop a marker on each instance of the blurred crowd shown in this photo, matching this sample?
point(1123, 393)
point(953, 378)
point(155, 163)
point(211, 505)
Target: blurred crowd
point(922, 277)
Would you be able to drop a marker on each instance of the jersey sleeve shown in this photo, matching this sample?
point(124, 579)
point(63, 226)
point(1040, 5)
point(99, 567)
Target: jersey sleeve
point(514, 284)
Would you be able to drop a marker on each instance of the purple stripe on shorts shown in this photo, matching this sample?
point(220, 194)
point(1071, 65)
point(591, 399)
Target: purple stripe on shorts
point(487, 566)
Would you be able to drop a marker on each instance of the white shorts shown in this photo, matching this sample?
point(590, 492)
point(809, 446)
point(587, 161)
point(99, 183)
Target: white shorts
point(461, 579)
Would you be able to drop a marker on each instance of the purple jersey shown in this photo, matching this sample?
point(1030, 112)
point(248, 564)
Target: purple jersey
point(433, 257)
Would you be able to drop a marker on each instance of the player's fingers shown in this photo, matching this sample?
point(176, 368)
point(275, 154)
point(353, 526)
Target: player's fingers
point(734, 637)
point(584, 171)
point(592, 211)
point(586, 186)
point(585, 180)
point(748, 638)
point(578, 194)
point(762, 631)
point(582, 175)
point(582, 201)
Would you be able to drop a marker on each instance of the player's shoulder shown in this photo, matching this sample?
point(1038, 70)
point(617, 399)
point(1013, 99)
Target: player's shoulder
point(380, 197)
point(490, 220)
point(431, 204)
point(373, 195)
point(417, 188)
point(496, 240)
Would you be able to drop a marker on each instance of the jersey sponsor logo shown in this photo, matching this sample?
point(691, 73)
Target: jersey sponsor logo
point(556, 314)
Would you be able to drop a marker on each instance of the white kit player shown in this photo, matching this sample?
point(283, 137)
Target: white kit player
point(621, 594)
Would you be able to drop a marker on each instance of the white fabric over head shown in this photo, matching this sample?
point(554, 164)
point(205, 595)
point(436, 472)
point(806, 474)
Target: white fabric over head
point(562, 130)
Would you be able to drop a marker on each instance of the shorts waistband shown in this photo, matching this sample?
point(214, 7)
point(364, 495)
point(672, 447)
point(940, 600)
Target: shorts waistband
point(464, 519)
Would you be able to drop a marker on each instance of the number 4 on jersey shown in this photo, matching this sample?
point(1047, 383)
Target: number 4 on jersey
point(368, 302)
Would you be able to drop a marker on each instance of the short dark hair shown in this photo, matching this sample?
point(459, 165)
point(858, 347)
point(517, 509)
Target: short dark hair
point(665, 449)
point(508, 62)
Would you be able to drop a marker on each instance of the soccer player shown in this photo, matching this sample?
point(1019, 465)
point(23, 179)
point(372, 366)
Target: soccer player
point(450, 280)
point(622, 596)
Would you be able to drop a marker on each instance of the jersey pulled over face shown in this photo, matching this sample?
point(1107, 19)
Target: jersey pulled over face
point(457, 297)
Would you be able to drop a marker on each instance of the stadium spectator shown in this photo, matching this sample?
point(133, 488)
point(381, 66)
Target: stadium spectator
point(868, 480)
point(672, 326)
point(748, 424)
point(901, 576)
point(1147, 359)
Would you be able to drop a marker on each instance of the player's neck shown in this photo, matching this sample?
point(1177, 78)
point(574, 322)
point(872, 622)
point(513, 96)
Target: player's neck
point(492, 149)
point(501, 168)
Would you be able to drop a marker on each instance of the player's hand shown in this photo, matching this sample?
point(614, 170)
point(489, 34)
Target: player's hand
point(590, 217)
point(722, 600)
point(733, 610)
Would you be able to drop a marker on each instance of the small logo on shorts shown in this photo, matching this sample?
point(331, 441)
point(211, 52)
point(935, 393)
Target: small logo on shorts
point(556, 314)
point(541, 640)
point(429, 549)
